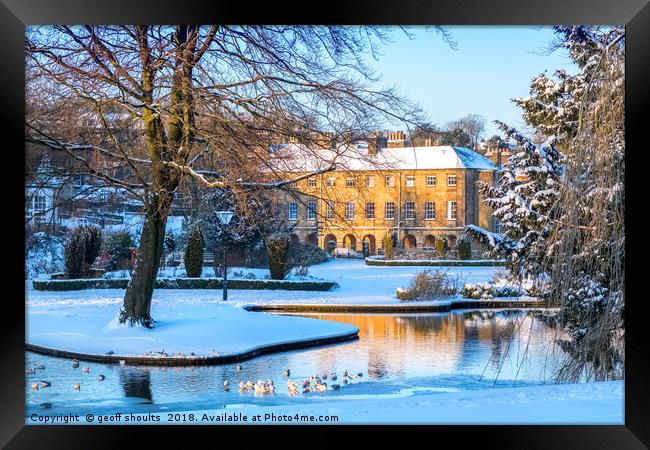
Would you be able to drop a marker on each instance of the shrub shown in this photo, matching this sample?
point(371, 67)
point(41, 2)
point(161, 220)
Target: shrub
point(464, 247)
point(194, 253)
point(119, 245)
point(430, 285)
point(441, 246)
point(169, 246)
point(277, 249)
point(75, 253)
point(389, 245)
point(306, 255)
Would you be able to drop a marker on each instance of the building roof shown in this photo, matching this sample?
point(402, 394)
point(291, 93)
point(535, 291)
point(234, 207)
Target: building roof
point(297, 158)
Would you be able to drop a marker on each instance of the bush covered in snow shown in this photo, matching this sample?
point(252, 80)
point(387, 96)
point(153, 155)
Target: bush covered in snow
point(430, 285)
point(489, 290)
point(44, 254)
point(306, 255)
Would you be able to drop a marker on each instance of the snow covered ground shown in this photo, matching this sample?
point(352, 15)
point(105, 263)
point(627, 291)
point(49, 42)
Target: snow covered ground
point(569, 404)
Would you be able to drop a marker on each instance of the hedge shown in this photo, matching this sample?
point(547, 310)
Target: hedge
point(185, 283)
point(436, 262)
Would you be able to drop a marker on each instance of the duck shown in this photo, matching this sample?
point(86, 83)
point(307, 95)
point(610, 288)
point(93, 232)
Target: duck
point(46, 405)
point(345, 373)
point(238, 368)
point(321, 387)
point(306, 390)
point(101, 378)
point(242, 386)
point(45, 384)
point(336, 387)
point(334, 377)
point(226, 385)
point(345, 381)
point(35, 386)
point(75, 363)
point(249, 385)
point(76, 386)
point(292, 386)
point(305, 383)
point(40, 366)
point(29, 370)
point(286, 373)
point(85, 369)
point(360, 374)
point(324, 376)
point(109, 353)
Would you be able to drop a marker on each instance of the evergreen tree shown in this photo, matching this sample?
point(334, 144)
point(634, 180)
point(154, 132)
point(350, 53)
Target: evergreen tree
point(194, 253)
point(75, 253)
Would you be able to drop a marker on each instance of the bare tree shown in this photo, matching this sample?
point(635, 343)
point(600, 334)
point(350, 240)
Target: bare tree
point(472, 124)
point(145, 107)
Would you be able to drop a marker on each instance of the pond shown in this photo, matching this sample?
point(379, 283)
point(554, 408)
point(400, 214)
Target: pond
point(396, 355)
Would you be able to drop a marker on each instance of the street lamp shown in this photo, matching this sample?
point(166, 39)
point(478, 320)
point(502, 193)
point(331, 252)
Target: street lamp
point(225, 217)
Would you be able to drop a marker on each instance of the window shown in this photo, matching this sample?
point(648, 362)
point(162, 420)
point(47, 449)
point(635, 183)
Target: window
point(293, 211)
point(390, 181)
point(451, 210)
point(40, 205)
point(349, 182)
point(431, 180)
point(451, 180)
point(311, 182)
point(311, 210)
point(390, 210)
point(497, 226)
point(430, 210)
point(330, 211)
point(370, 182)
point(349, 210)
point(410, 180)
point(370, 210)
point(410, 210)
point(331, 182)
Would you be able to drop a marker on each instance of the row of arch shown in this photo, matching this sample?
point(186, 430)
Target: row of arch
point(369, 242)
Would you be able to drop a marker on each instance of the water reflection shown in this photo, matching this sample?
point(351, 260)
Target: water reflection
point(136, 382)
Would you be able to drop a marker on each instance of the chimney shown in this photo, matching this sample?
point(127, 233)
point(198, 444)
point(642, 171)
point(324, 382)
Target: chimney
point(396, 139)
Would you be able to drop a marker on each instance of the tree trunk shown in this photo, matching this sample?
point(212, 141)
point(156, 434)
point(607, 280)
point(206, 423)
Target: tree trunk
point(137, 300)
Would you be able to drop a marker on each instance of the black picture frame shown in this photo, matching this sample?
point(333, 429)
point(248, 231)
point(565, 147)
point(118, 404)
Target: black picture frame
point(635, 14)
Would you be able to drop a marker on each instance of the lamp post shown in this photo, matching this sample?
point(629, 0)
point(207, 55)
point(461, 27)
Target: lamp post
point(225, 217)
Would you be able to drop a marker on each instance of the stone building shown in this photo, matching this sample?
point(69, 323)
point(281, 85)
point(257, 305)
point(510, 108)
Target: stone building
point(421, 194)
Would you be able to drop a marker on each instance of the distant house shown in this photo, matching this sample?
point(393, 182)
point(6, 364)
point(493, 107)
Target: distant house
point(421, 194)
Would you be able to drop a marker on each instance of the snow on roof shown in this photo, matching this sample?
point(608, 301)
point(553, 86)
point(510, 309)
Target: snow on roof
point(298, 158)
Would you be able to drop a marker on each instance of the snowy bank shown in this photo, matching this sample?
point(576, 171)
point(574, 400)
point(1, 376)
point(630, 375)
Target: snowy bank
point(204, 330)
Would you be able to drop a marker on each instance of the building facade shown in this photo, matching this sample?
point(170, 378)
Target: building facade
point(427, 194)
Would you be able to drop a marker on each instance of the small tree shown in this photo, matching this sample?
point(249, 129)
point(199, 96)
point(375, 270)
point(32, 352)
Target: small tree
point(464, 247)
point(118, 246)
point(75, 253)
point(389, 245)
point(277, 249)
point(194, 253)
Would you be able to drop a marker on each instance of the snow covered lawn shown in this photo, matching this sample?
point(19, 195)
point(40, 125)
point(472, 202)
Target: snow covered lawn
point(188, 321)
point(568, 404)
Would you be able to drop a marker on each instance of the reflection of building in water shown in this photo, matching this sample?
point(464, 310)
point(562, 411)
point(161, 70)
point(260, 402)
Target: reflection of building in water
point(393, 340)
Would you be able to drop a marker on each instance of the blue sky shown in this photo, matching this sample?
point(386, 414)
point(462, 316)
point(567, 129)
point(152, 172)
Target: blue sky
point(491, 65)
